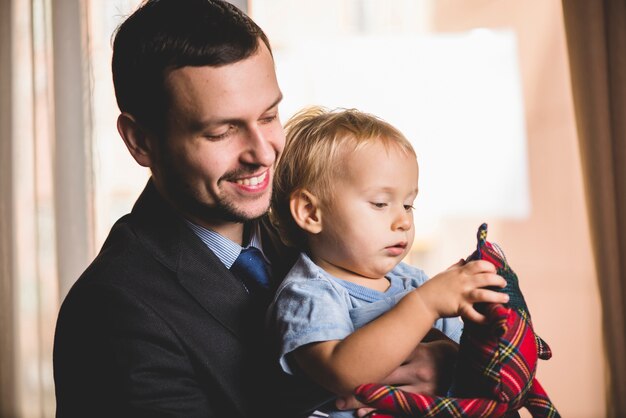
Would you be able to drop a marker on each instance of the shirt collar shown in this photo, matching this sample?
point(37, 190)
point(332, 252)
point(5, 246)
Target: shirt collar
point(225, 249)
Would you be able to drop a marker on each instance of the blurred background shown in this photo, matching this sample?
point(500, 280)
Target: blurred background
point(481, 88)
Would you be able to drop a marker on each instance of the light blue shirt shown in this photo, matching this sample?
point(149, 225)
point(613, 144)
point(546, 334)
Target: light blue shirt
point(226, 250)
point(312, 306)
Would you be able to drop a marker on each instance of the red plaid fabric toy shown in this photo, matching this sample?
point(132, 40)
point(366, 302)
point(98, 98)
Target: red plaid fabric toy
point(495, 374)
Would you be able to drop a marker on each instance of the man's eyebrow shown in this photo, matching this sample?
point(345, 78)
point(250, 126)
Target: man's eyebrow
point(276, 102)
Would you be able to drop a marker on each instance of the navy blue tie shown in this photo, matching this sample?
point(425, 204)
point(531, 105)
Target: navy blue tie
point(252, 268)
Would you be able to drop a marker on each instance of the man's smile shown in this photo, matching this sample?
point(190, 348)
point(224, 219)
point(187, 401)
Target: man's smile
point(254, 183)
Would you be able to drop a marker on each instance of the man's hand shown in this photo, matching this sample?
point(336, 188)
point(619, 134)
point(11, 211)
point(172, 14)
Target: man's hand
point(427, 370)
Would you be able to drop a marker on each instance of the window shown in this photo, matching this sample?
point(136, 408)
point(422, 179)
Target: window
point(449, 75)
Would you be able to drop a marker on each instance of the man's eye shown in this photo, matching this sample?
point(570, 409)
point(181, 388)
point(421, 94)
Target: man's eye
point(217, 137)
point(269, 119)
point(378, 205)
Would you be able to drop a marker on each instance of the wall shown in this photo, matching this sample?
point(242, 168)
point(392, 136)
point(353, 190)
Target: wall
point(551, 250)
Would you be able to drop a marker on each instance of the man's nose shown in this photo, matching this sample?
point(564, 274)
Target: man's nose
point(259, 147)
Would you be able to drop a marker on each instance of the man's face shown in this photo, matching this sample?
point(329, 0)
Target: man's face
point(223, 137)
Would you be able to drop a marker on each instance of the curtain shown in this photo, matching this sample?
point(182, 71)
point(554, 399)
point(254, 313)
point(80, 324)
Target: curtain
point(28, 298)
point(54, 67)
point(7, 394)
point(596, 38)
point(41, 204)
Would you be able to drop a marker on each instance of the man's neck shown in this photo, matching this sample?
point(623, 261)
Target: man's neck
point(234, 231)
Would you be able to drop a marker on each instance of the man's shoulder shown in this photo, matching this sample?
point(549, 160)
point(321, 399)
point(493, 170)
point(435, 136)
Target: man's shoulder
point(129, 275)
point(121, 254)
point(129, 257)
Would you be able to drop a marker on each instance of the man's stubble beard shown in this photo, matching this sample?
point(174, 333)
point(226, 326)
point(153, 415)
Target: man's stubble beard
point(190, 203)
point(221, 210)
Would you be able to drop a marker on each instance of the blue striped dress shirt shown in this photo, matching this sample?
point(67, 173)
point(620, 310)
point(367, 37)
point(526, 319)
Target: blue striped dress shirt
point(226, 250)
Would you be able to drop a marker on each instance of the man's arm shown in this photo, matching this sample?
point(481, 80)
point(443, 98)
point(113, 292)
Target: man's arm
point(429, 368)
point(114, 356)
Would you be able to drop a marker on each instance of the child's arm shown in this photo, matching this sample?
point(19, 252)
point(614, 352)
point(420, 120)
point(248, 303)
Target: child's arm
point(428, 369)
point(375, 350)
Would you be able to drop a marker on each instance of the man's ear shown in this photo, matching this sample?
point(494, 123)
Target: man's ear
point(306, 211)
point(136, 138)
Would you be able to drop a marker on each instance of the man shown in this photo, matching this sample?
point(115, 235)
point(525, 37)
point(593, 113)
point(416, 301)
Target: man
point(164, 323)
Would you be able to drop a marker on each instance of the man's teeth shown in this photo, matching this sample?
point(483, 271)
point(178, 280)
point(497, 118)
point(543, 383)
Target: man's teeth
point(252, 181)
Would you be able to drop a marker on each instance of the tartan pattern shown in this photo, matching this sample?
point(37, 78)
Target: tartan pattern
point(495, 374)
point(404, 404)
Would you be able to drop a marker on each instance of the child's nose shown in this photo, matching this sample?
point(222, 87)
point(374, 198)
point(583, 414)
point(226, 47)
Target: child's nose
point(402, 220)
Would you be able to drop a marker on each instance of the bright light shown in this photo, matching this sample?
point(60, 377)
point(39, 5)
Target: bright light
point(456, 97)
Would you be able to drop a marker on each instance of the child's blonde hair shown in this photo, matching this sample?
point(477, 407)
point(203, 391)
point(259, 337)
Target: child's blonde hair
point(317, 141)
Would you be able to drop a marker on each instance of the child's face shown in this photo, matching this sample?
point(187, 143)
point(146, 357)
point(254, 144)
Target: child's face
point(367, 224)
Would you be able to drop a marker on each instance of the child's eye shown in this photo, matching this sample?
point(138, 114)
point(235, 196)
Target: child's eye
point(408, 207)
point(379, 205)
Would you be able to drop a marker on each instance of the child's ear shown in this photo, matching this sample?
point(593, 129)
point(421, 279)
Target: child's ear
point(136, 139)
point(306, 211)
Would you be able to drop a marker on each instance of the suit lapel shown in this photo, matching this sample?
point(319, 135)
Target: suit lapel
point(199, 271)
point(212, 285)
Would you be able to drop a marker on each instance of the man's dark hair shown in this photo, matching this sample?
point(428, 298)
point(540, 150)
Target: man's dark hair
point(163, 35)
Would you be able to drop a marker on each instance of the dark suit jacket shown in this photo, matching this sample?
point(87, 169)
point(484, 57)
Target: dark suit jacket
point(158, 327)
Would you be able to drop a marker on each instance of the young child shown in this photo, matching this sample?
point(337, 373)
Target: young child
point(349, 312)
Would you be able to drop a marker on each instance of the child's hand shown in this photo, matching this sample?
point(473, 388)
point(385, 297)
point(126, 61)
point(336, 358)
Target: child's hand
point(454, 291)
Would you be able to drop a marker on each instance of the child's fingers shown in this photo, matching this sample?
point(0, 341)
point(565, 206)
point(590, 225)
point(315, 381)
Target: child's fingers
point(473, 315)
point(487, 296)
point(480, 266)
point(488, 279)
